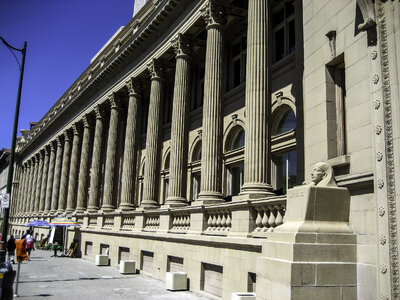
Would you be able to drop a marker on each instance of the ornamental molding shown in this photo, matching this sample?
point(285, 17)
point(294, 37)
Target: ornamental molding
point(389, 148)
point(182, 46)
point(214, 14)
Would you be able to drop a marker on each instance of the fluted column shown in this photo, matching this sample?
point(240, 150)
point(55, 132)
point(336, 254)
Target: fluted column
point(28, 186)
point(32, 193)
point(257, 138)
point(39, 182)
point(179, 127)
point(211, 162)
point(21, 188)
point(109, 172)
point(62, 202)
point(57, 176)
point(95, 169)
point(50, 178)
point(43, 186)
point(152, 172)
point(84, 165)
point(74, 168)
point(131, 145)
point(15, 188)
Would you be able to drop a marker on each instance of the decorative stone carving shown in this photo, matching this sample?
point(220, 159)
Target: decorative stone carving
point(323, 175)
point(378, 129)
point(155, 69)
point(379, 156)
point(368, 11)
point(377, 104)
point(381, 211)
point(213, 13)
point(380, 183)
point(375, 79)
point(382, 239)
point(182, 46)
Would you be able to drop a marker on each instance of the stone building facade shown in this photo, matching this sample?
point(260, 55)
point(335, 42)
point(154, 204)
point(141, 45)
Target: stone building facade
point(180, 144)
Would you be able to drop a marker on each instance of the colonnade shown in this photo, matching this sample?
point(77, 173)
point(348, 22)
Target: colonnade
point(76, 171)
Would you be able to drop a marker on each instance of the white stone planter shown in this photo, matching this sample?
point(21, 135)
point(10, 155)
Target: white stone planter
point(176, 281)
point(243, 296)
point(102, 260)
point(127, 267)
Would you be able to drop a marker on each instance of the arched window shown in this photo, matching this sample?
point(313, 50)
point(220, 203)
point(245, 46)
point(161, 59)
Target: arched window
point(238, 140)
point(287, 123)
point(234, 158)
point(165, 179)
point(283, 148)
point(196, 171)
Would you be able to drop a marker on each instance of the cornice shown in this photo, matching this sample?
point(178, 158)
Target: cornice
point(93, 77)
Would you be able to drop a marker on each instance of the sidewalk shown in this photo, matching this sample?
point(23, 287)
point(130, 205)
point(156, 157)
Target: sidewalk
point(63, 278)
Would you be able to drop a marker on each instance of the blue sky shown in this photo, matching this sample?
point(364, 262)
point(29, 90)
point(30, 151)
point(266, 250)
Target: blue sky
point(62, 37)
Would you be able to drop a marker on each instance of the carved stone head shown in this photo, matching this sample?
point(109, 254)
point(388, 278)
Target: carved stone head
point(322, 175)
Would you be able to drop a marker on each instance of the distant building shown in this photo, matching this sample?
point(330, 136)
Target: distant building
point(180, 144)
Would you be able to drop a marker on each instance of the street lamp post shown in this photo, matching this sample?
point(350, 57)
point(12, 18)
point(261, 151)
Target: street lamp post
point(4, 231)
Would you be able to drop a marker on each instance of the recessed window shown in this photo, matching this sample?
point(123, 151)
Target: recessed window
point(238, 63)
point(285, 166)
point(283, 31)
point(238, 140)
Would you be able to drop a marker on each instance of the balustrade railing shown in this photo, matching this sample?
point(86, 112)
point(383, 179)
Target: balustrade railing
point(128, 222)
point(152, 222)
point(269, 216)
point(180, 221)
point(219, 220)
point(237, 218)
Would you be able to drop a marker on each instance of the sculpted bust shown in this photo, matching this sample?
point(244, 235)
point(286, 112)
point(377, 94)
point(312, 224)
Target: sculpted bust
point(323, 175)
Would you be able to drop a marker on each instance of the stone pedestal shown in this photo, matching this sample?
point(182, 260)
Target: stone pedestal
point(313, 255)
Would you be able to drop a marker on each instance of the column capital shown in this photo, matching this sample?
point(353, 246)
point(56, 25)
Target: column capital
point(182, 46)
point(76, 128)
point(214, 14)
point(134, 86)
point(114, 101)
point(87, 121)
point(156, 70)
point(67, 136)
point(60, 140)
point(52, 146)
point(99, 112)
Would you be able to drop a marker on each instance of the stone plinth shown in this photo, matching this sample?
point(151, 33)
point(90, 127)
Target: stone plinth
point(313, 255)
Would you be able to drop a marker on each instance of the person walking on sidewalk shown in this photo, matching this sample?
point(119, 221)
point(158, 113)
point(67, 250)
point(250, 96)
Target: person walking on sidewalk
point(11, 249)
point(29, 244)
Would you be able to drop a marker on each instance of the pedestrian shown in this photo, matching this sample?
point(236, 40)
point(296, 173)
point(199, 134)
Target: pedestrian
point(11, 249)
point(25, 234)
point(29, 244)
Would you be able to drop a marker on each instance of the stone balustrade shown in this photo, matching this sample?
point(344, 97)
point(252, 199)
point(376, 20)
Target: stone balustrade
point(247, 218)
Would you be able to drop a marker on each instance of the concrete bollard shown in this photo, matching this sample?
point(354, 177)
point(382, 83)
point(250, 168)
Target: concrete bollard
point(176, 281)
point(127, 267)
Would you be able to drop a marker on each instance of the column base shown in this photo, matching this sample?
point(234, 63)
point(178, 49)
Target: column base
point(69, 210)
point(92, 209)
point(174, 202)
point(126, 207)
point(60, 211)
point(80, 210)
point(206, 198)
point(107, 208)
point(149, 204)
point(256, 190)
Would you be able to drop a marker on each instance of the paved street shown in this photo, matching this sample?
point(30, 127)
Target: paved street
point(60, 278)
